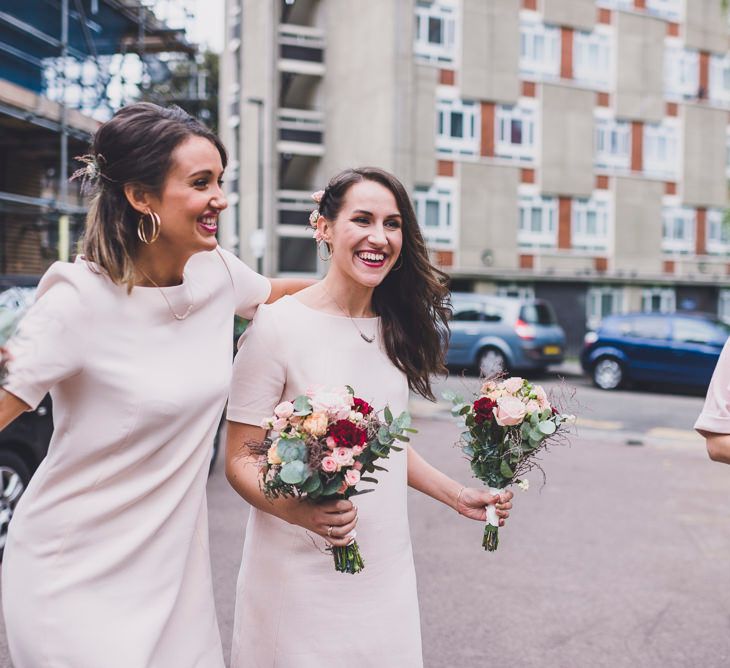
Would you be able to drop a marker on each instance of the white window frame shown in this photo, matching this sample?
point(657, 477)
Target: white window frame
point(524, 113)
point(667, 300)
point(661, 148)
point(547, 234)
point(594, 303)
point(592, 58)
point(616, 4)
point(720, 79)
point(545, 65)
point(443, 193)
point(671, 10)
point(582, 238)
point(469, 143)
point(672, 241)
point(435, 52)
point(681, 71)
point(612, 149)
point(717, 240)
point(723, 305)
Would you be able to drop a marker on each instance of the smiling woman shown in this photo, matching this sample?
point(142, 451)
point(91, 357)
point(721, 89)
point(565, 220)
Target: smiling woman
point(133, 340)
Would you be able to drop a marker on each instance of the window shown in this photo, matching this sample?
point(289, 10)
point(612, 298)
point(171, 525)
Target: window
point(671, 10)
point(458, 127)
point(538, 217)
point(602, 301)
point(649, 328)
point(657, 300)
point(515, 132)
point(467, 312)
point(613, 143)
point(718, 233)
point(434, 211)
point(723, 305)
point(590, 223)
point(660, 149)
point(592, 58)
point(540, 313)
point(616, 4)
point(539, 50)
point(720, 79)
point(678, 229)
point(435, 32)
point(297, 255)
point(695, 330)
point(681, 72)
point(518, 291)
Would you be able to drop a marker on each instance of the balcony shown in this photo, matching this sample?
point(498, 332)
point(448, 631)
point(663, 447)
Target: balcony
point(300, 132)
point(301, 50)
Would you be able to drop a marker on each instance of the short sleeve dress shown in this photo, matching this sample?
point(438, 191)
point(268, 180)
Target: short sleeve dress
point(715, 415)
point(107, 563)
point(293, 610)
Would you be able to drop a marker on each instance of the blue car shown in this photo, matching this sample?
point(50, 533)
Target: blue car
point(503, 334)
point(678, 348)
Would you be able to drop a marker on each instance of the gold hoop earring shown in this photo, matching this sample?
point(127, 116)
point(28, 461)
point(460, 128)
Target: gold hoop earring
point(319, 251)
point(396, 266)
point(156, 225)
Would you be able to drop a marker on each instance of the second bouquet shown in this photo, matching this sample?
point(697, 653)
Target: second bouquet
point(322, 445)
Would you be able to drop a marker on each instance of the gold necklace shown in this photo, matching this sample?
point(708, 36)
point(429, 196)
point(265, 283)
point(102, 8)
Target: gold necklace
point(164, 296)
point(367, 339)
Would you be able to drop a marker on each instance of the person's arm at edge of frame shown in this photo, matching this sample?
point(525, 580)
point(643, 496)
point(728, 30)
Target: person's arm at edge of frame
point(467, 501)
point(10, 408)
point(718, 446)
point(281, 287)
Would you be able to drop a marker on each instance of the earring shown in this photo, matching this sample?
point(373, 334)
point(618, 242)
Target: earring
point(156, 225)
point(319, 251)
point(396, 266)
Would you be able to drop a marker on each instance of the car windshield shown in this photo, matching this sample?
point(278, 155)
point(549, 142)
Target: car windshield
point(538, 313)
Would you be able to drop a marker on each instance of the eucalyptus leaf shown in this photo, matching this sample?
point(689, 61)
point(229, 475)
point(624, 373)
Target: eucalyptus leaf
point(293, 473)
point(388, 415)
point(505, 469)
point(547, 427)
point(449, 395)
point(368, 479)
point(302, 405)
point(291, 449)
point(331, 487)
point(384, 437)
point(312, 484)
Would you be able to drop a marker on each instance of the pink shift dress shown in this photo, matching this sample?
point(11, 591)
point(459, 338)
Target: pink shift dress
point(107, 562)
point(715, 415)
point(293, 610)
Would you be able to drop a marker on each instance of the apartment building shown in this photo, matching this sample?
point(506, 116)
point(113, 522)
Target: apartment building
point(575, 150)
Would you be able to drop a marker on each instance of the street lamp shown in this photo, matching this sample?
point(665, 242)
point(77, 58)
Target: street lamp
point(259, 244)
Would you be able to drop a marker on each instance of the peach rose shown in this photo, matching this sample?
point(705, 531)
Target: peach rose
point(343, 456)
point(272, 456)
point(329, 465)
point(509, 412)
point(315, 424)
point(352, 477)
point(541, 396)
point(532, 406)
point(284, 410)
point(279, 424)
point(514, 384)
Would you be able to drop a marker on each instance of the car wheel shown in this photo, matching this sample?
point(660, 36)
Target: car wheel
point(608, 374)
point(14, 478)
point(491, 363)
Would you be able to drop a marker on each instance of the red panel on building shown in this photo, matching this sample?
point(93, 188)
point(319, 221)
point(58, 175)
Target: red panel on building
point(704, 75)
point(637, 146)
point(670, 188)
point(701, 233)
point(673, 29)
point(564, 224)
point(529, 4)
point(444, 258)
point(566, 53)
point(487, 148)
point(528, 262)
point(604, 15)
point(603, 99)
point(672, 109)
point(600, 264)
point(602, 182)
point(447, 77)
point(668, 267)
point(445, 168)
point(529, 89)
point(527, 175)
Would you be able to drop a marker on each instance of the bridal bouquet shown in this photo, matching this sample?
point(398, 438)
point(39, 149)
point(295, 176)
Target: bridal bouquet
point(325, 443)
point(507, 425)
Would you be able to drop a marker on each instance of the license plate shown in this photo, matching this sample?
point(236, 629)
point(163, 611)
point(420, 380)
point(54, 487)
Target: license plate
point(551, 350)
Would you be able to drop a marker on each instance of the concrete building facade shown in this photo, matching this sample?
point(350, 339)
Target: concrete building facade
point(575, 150)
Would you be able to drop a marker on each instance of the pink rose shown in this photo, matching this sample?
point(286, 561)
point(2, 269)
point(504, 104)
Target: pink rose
point(329, 465)
point(343, 456)
point(280, 423)
point(331, 443)
point(509, 412)
point(513, 385)
point(532, 406)
point(357, 450)
point(352, 477)
point(358, 466)
point(541, 395)
point(284, 410)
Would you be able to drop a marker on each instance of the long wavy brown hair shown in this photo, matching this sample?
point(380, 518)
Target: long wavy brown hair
point(412, 301)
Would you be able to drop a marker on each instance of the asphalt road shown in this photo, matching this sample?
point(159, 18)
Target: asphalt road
point(619, 560)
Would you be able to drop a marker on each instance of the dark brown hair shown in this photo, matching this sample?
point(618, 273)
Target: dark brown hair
point(134, 147)
point(412, 301)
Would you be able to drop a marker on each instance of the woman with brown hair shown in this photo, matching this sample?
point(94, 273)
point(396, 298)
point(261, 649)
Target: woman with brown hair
point(376, 322)
point(107, 562)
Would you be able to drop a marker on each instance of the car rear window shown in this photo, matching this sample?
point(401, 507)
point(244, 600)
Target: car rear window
point(466, 312)
point(691, 330)
point(539, 313)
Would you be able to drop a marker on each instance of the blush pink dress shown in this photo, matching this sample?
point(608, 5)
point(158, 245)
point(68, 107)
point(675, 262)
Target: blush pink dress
point(293, 610)
point(107, 563)
point(715, 415)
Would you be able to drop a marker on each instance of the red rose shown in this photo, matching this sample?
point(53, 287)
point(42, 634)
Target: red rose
point(484, 409)
point(347, 434)
point(362, 406)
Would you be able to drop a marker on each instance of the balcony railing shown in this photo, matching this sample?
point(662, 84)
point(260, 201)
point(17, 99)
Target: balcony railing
point(301, 49)
point(300, 131)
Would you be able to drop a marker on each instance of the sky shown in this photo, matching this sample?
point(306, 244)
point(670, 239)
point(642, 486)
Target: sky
point(207, 23)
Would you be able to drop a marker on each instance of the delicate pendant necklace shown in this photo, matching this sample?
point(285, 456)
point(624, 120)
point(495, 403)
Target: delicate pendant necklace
point(363, 336)
point(177, 316)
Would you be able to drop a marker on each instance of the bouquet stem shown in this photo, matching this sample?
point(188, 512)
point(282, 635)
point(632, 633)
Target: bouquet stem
point(348, 559)
point(491, 530)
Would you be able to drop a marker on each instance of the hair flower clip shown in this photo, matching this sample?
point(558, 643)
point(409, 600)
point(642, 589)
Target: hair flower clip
point(317, 196)
point(314, 216)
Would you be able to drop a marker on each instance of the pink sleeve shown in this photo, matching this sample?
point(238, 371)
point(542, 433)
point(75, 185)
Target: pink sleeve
point(49, 343)
point(259, 370)
point(250, 288)
point(715, 415)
